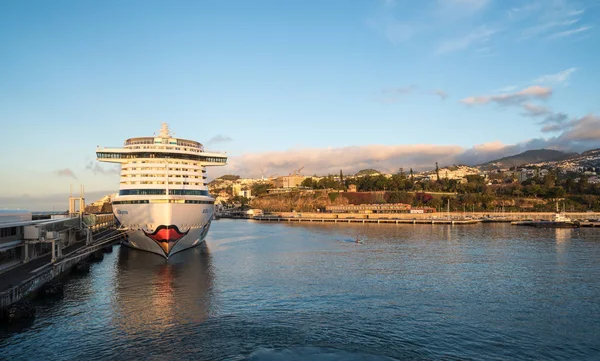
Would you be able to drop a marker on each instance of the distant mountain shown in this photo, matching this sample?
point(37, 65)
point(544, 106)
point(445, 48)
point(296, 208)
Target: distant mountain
point(528, 157)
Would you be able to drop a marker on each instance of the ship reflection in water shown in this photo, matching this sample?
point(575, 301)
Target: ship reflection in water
point(153, 294)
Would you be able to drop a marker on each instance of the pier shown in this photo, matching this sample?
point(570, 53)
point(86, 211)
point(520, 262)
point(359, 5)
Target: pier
point(38, 251)
point(368, 220)
point(21, 281)
point(587, 219)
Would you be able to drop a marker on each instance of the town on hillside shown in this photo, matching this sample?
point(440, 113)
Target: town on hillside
point(573, 181)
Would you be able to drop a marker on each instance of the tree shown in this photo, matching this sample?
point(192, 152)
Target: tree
point(437, 171)
point(341, 178)
point(412, 177)
point(401, 197)
point(582, 184)
point(259, 189)
point(308, 183)
point(401, 172)
point(242, 201)
point(556, 192)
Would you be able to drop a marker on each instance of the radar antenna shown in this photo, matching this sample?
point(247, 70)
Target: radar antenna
point(164, 130)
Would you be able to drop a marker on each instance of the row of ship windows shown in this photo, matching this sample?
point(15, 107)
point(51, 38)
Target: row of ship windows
point(158, 182)
point(163, 169)
point(146, 201)
point(149, 161)
point(160, 155)
point(148, 140)
point(156, 145)
point(161, 176)
point(152, 192)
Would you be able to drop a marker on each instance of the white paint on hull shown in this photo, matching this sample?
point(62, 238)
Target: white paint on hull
point(135, 219)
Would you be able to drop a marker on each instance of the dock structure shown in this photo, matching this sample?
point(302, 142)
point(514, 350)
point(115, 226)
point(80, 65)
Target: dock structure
point(368, 220)
point(35, 252)
point(21, 281)
point(586, 219)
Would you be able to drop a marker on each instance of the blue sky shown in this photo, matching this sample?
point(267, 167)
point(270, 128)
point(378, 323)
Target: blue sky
point(327, 85)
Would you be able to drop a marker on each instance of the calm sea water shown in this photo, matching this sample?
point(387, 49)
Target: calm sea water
point(309, 292)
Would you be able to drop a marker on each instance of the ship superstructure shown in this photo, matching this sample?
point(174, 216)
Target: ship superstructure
point(163, 204)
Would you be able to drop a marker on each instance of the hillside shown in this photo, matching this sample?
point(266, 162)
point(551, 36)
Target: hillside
point(528, 157)
point(588, 159)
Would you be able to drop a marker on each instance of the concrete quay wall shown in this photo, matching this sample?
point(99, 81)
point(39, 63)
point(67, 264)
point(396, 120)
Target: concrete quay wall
point(47, 274)
point(457, 215)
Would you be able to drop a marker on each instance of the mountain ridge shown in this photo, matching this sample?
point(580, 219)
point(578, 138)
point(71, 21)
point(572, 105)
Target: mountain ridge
point(528, 157)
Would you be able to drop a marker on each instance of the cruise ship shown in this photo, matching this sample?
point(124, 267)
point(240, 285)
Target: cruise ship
point(163, 205)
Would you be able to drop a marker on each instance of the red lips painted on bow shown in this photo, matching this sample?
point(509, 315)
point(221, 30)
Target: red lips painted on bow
point(166, 236)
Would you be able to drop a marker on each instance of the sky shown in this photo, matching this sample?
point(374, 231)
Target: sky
point(282, 85)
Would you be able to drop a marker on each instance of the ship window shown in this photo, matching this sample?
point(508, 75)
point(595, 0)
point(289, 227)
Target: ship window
point(131, 192)
point(162, 155)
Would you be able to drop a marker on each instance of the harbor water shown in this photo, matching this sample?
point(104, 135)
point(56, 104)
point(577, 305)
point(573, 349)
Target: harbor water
point(283, 291)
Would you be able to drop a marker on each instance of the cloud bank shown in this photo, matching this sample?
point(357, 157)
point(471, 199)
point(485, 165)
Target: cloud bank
point(577, 135)
point(532, 92)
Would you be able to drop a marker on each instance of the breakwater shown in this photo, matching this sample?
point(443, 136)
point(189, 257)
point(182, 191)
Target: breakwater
point(368, 220)
point(453, 218)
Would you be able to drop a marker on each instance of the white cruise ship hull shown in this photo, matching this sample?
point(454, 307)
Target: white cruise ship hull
point(164, 228)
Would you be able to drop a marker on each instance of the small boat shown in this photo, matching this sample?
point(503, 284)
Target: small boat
point(560, 220)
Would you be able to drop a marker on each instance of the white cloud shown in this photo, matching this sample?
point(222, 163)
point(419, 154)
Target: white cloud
point(566, 33)
point(479, 35)
point(349, 159)
point(532, 92)
point(549, 19)
point(539, 29)
point(558, 78)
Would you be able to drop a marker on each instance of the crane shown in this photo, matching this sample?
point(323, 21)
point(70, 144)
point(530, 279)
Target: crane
point(297, 171)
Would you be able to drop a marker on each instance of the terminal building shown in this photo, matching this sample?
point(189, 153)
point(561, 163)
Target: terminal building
point(12, 224)
point(23, 239)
